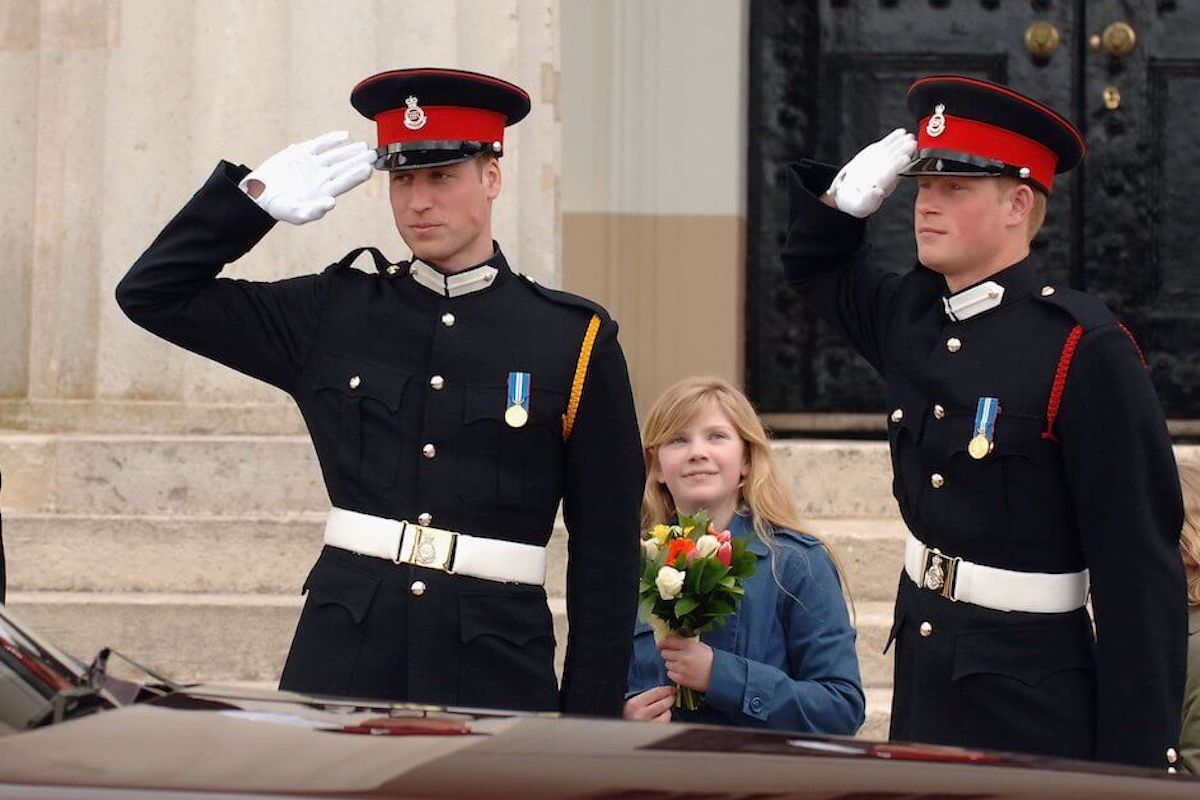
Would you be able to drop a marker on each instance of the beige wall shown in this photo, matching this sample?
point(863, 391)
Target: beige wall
point(112, 112)
point(654, 179)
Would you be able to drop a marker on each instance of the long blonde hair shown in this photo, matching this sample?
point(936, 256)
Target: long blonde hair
point(763, 490)
point(1189, 537)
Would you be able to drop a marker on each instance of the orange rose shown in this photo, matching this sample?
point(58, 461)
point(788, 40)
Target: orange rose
point(678, 546)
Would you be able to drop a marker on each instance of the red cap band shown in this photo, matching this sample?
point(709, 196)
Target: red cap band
point(991, 142)
point(441, 123)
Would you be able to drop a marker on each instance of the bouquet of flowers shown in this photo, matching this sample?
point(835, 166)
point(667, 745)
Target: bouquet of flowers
point(692, 576)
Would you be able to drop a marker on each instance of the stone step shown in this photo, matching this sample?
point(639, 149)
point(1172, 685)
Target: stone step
point(244, 637)
point(272, 554)
point(77, 473)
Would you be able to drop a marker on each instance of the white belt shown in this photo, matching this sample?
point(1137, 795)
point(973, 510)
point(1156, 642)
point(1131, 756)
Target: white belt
point(1000, 589)
point(406, 543)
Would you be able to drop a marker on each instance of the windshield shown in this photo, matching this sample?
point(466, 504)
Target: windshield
point(32, 673)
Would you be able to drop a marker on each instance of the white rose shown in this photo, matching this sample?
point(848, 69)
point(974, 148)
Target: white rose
point(651, 549)
point(669, 583)
point(706, 545)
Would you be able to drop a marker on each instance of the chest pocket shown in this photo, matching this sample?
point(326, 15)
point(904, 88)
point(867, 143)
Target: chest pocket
point(515, 467)
point(366, 400)
point(996, 493)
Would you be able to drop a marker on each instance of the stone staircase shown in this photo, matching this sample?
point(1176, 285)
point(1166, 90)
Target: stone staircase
point(187, 552)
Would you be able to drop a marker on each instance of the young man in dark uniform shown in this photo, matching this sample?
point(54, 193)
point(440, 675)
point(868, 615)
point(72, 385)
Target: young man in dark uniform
point(452, 403)
point(1030, 452)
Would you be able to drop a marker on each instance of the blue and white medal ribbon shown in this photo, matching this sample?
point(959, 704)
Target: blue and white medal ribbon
point(516, 413)
point(985, 427)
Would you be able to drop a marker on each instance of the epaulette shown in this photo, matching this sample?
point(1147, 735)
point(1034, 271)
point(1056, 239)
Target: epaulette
point(565, 298)
point(382, 265)
point(1089, 312)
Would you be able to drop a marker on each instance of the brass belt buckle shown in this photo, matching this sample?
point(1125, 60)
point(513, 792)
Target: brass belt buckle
point(939, 571)
point(433, 548)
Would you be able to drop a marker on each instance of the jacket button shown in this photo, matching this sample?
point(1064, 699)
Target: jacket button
point(926, 629)
point(425, 518)
point(953, 344)
point(355, 382)
point(935, 480)
point(429, 451)
point(448, 319)
point(756, 704)
point(437, 382)
point(1172, 755)
point(417, 588)
point(1047, 291)
point(939, 412)
point(898, 415)
point(393, 269)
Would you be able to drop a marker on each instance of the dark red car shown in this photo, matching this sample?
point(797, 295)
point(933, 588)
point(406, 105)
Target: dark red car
point(76, 731)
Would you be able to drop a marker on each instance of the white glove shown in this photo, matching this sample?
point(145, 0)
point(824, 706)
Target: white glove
point(867, 179)
point(300, 181)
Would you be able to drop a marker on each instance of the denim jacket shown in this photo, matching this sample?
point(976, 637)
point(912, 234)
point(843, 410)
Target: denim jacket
point(778, 662)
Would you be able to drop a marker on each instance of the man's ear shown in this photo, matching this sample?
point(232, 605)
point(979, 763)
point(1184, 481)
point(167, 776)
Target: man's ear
point(1020, 204)
point(493, 178)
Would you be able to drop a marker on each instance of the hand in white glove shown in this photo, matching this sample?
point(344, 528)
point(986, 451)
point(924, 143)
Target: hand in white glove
point(867, 179)
point(298, 183)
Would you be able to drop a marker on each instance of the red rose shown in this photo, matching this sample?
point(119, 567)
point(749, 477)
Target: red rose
point(725, 553)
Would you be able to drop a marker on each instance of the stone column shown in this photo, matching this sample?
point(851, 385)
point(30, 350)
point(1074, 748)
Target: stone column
point(654, 151)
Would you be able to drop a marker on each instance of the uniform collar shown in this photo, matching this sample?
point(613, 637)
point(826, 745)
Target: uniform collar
point(1006, 286)
point(468, 281)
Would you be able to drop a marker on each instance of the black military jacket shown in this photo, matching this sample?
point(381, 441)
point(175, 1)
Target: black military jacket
point(1097, 490)
point(404, 390)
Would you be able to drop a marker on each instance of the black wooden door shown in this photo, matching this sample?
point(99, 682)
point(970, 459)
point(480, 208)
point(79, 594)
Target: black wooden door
point(829, 77)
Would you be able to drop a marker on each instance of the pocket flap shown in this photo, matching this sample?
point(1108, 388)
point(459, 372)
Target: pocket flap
point(546, 406)
point(1027, 654)
point(355, 377)
point(517, 618)
point(333, 581)
point(1013, 436)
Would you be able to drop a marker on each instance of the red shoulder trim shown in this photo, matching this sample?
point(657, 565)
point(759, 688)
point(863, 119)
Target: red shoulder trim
point(1136, 346)
point(1060, 380)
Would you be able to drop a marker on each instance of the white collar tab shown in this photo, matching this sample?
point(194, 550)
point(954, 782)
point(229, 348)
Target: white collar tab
point(976, 300)
point(472, 280)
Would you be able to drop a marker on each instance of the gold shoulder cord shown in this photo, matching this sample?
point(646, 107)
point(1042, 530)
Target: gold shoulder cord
point(585, 355)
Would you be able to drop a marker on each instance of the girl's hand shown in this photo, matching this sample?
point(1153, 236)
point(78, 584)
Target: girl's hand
point(689, 662)
point(652, 705)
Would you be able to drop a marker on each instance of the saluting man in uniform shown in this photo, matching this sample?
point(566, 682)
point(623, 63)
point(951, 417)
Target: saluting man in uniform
point(452, 403)
point(1032, 461)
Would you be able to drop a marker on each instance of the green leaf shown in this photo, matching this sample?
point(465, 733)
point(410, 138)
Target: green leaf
point(685, 605)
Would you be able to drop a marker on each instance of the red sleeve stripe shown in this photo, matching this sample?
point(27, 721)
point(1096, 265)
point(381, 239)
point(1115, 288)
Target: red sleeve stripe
point(1060, 380)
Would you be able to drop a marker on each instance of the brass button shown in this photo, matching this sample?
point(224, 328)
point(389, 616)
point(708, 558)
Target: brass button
point(448, 319)
point(437, 382)
point(417, 588)
point(355, 382)
point(953, 344)
point(1172, 755)
point(1047, 291)
point(424, 518)
point(898, 415)
point(926, 629)
point(429, 451)
point(936, 480)
point(939, 411)
point(393, 269)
